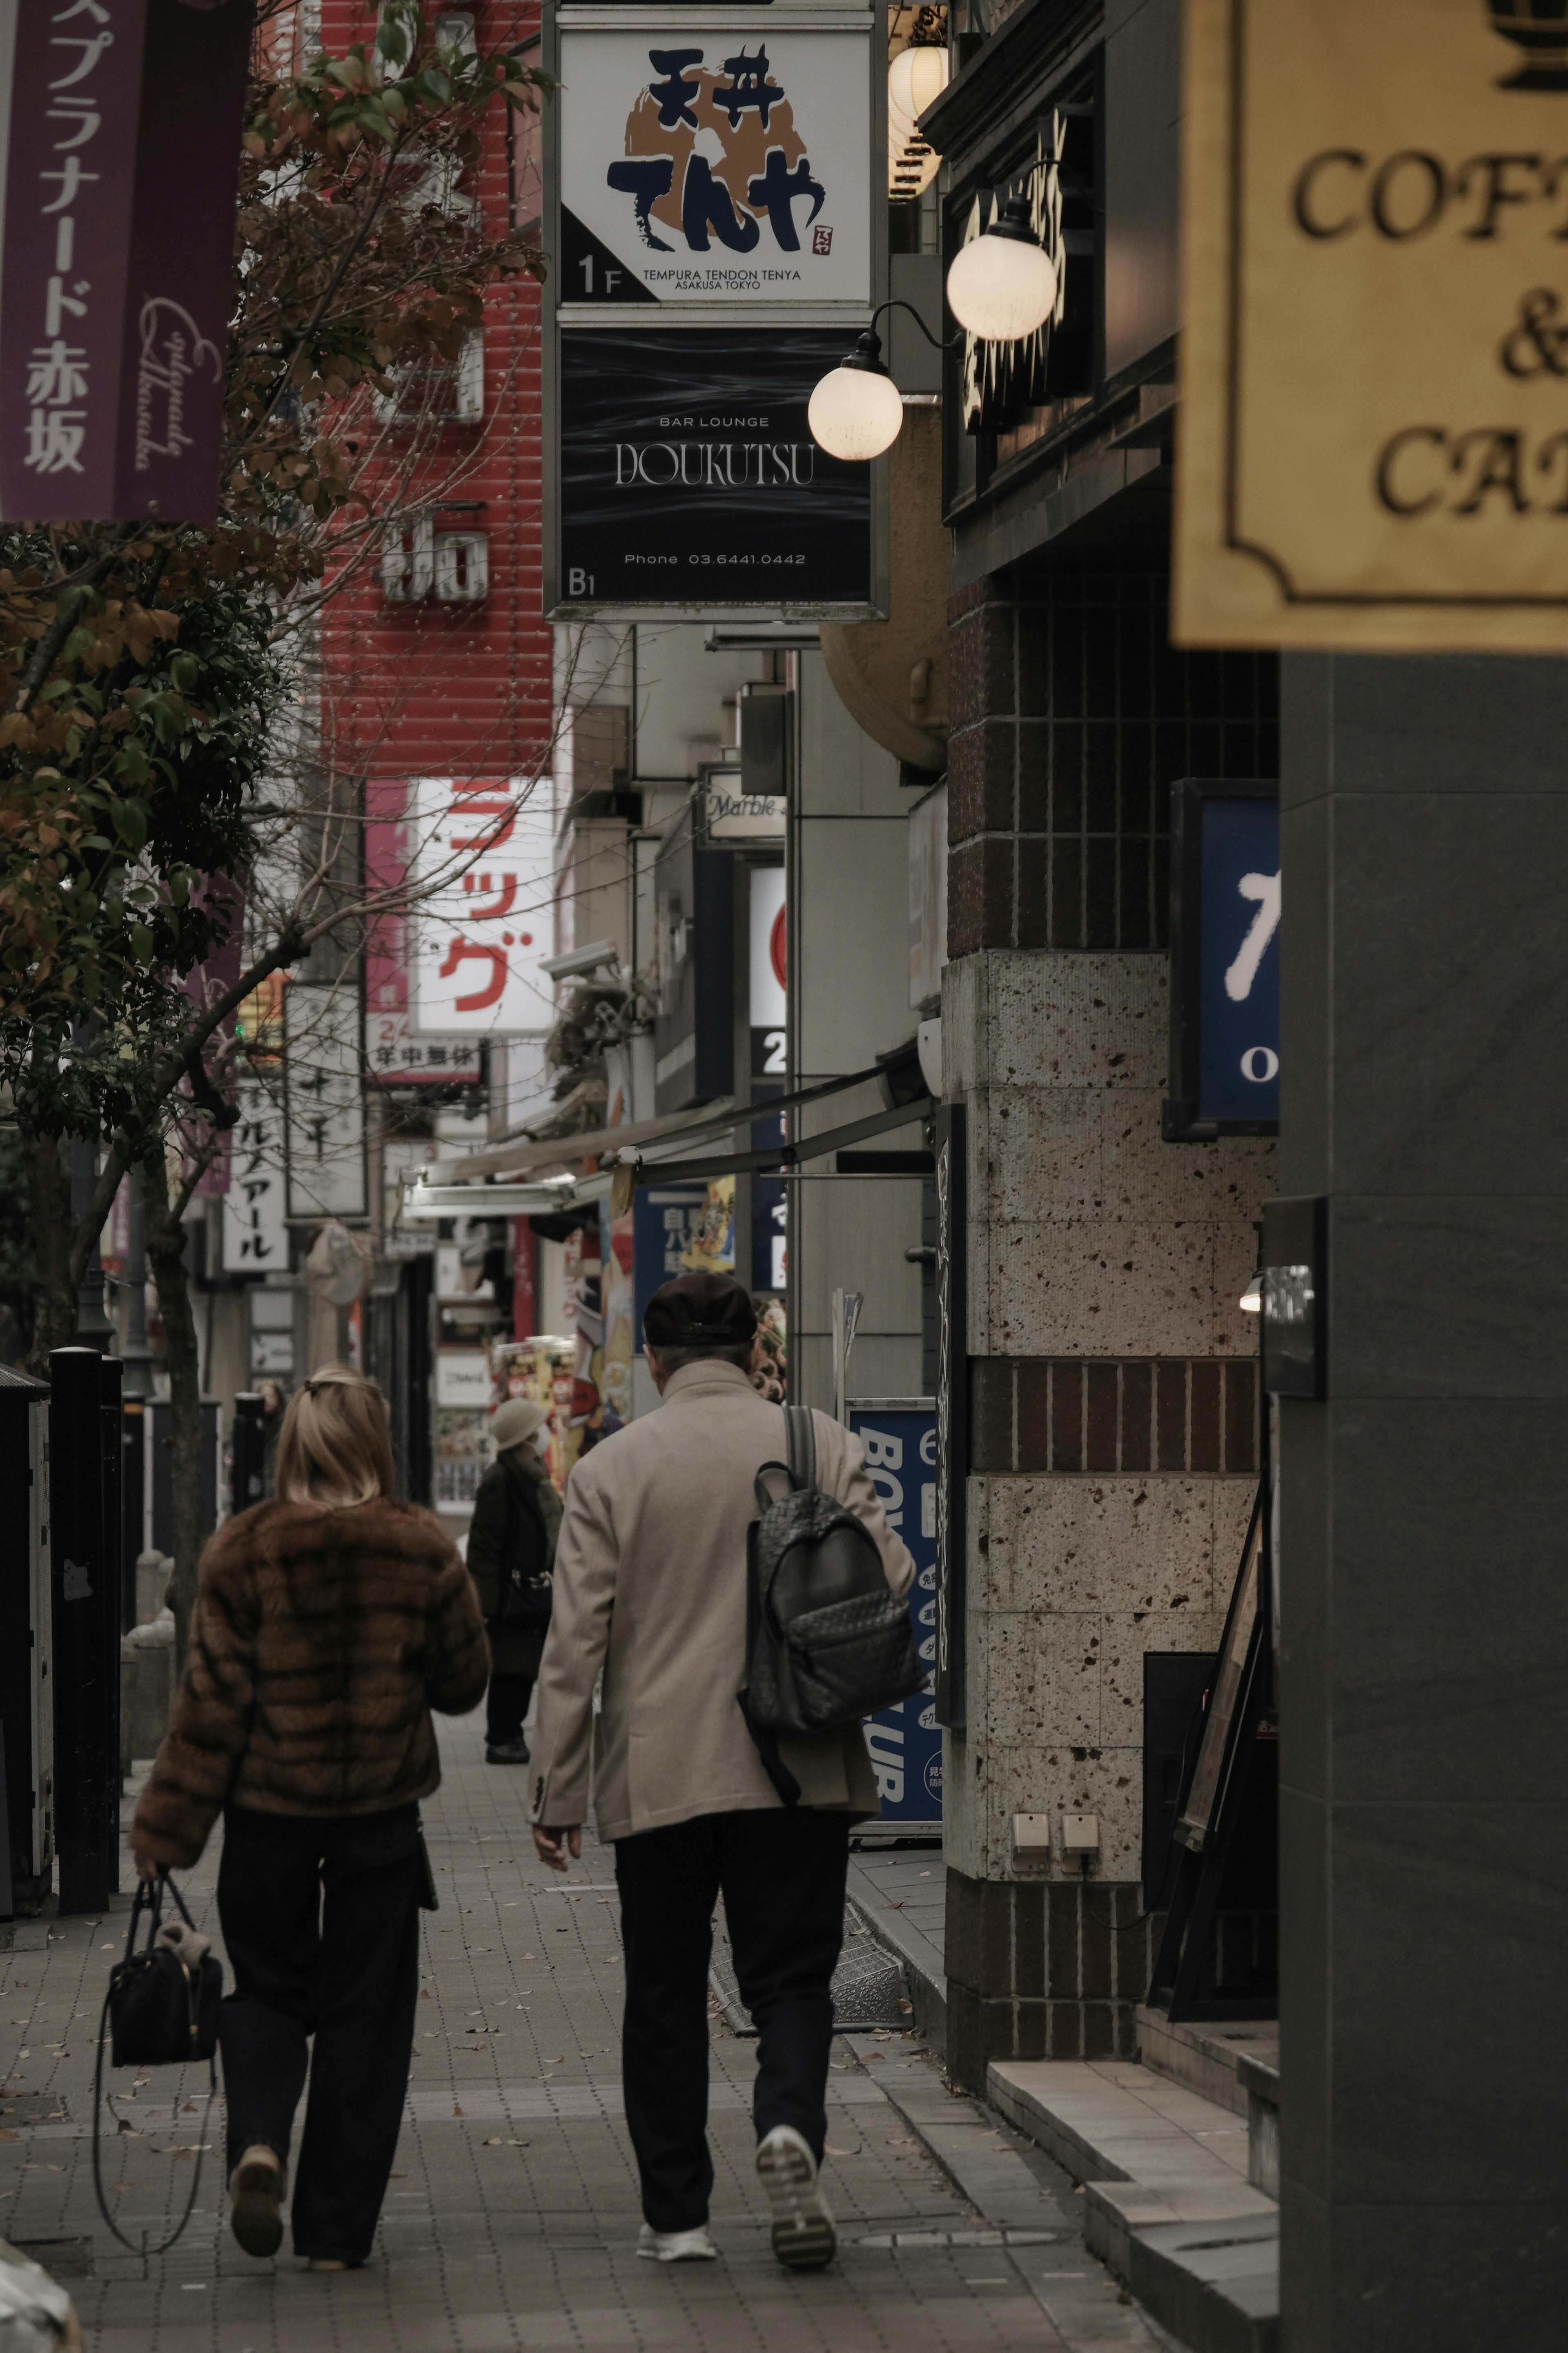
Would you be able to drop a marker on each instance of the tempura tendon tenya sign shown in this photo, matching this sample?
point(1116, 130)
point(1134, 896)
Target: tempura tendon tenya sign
point(1374, 431)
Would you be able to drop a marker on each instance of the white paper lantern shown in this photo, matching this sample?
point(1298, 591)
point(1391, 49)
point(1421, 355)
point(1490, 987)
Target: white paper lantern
point(916, 79)
point(855, 412)
point(1002, 285)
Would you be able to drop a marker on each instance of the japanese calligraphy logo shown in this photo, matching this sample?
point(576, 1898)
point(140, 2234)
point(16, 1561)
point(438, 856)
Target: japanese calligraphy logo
point(713, 154)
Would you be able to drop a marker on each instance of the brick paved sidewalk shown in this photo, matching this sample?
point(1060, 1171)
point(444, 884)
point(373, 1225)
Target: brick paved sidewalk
point(513, 2215)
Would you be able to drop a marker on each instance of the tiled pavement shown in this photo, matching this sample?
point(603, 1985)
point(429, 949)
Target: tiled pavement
point(512, 2213)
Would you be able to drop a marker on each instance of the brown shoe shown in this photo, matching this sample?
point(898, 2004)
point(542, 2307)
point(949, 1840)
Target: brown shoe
point(255, 2189)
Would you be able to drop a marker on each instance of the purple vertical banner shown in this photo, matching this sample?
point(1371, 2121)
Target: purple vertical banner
point(120, 126)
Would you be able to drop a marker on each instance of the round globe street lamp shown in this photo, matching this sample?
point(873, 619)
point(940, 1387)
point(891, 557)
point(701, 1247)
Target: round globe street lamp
point(856, 410)
point(1002, 285)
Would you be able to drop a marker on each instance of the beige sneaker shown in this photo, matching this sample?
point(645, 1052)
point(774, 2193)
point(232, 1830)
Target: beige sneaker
point(255, 2192)
point(804, 2237)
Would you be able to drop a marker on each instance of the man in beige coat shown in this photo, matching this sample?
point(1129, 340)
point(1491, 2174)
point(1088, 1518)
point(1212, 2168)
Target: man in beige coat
point(650, 1586)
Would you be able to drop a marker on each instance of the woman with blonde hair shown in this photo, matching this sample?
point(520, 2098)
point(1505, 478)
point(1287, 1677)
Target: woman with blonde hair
point(329, 1622)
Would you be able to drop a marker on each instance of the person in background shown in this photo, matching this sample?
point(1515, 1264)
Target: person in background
point(328, 1623)
point(511, 1552)
point(274, 1405)
point(651, 1589)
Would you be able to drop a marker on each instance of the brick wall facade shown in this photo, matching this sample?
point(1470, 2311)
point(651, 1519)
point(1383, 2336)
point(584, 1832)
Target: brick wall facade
point(1067, 1413)
point(1047, 1971)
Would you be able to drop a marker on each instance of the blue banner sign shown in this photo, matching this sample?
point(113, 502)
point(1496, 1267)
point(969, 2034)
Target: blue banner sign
point(1238, 1058)
point(1224, 960)
point(905, 1742)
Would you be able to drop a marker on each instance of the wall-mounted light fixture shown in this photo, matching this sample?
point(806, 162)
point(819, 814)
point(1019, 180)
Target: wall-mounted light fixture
point(1002, 285)
point(856, 411)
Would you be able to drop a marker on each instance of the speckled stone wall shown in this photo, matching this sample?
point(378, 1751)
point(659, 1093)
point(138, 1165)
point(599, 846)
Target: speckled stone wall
point(1113, 1396)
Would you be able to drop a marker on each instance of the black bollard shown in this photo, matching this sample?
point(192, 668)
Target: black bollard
point(112, 1374)
point(249, 1451)
point(86, 1613)
point(132, 1503)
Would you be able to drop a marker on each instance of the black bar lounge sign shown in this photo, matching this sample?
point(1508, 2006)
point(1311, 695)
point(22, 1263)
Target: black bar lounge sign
point(689, 478)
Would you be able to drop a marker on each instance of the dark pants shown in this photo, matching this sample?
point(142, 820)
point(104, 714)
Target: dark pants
point(506, 1705)
point(345, 1969)
point(783, 1872)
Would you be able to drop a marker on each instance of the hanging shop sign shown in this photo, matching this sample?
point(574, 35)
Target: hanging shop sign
point(255, 1229)
point(395, 1053)
point(482, 918)
point(720, 163)
point(688, 480)
point(731, 816)
point(1224, 961)
point(1374, 340)
point(324, 1102)
point(905, 1742)
point(713, 197)
point(119, 126)
point(999, 382)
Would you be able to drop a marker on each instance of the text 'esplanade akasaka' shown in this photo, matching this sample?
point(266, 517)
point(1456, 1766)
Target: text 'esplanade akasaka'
point(715, 465)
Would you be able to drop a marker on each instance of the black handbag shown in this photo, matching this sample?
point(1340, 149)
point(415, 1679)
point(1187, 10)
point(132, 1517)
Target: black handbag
point(161, 2011)
point(162, 2007)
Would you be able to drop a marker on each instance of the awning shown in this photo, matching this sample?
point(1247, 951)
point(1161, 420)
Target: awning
point(530, 1153)
point(776, 1158)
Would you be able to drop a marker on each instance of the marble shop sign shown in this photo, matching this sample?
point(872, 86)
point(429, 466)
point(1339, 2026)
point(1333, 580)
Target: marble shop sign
point(1374, 363)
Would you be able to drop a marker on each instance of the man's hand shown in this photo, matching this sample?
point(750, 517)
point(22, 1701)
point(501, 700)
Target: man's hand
point(554, 1845)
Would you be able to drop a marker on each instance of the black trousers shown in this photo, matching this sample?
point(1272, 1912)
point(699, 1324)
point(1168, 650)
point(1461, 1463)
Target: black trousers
point(506, 1705)
point(783, 1872)
point(321, 1921)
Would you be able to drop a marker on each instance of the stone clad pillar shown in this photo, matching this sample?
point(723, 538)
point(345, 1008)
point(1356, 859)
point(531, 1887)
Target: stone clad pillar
point(1113, 1438)
point(1424, 1738)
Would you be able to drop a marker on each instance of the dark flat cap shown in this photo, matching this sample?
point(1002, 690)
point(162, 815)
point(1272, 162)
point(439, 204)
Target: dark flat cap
point(698, 1310)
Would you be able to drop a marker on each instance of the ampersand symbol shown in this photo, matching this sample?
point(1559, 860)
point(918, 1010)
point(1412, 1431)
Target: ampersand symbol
point(1536, 346)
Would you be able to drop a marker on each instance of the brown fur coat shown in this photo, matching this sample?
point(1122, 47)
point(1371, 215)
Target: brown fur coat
point(319, 1643)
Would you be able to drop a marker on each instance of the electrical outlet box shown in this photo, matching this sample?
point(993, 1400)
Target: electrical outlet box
point(1081, 1833)
point(1032, 1833)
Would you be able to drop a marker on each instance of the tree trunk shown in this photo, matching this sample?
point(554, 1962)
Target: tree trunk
point(50, 1205)
point(166, 1257)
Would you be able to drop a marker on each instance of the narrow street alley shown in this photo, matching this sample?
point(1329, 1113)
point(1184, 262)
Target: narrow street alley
point(512, 2216)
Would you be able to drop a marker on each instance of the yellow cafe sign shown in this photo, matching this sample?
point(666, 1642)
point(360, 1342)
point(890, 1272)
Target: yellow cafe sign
point(1373, 442)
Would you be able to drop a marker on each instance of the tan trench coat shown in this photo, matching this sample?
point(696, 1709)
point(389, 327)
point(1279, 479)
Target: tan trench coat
point(650, 1584)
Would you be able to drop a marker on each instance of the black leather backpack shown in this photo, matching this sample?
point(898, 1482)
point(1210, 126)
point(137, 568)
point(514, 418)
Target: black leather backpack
point(828, 1641)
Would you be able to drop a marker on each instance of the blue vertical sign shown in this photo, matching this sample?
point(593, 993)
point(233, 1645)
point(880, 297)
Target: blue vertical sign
point(905, 1742)
point(1239, 1031)
point(665, 1221)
